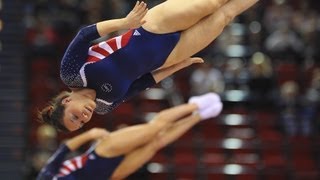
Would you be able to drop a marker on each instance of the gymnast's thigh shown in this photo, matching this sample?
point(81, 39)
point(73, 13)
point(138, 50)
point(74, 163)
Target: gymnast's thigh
point(197, 38)
point(177, 15)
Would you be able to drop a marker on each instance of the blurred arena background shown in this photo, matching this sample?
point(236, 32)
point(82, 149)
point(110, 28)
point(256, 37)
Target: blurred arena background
point(265, 66)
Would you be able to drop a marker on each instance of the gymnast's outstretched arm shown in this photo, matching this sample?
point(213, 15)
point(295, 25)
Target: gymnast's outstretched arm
point(78, 48)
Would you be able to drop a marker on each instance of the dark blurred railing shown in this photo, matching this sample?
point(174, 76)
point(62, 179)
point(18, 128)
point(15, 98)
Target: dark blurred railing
point(12, 90)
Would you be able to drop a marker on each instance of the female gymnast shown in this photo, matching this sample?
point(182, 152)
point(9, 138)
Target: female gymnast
point(159, 40)
point(118, 154)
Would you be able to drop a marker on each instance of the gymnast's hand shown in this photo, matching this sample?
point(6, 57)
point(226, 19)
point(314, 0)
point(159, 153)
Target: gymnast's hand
point(192, 60)
point(135, 18)
point(97, 133)
point(162, 73)
point(188, 62)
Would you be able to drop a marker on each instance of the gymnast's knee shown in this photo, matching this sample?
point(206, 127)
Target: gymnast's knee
point(157, 144)
point(214, 4)
point(107, 148)
point(227, 16)
point(160, 119)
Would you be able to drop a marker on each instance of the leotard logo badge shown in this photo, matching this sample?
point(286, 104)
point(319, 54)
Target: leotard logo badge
point(106, 87)
point(136, 33)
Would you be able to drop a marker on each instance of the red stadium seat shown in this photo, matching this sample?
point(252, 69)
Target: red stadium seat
point(246, 176)
point(127, 108)
point(273, 157)
point(159, 176)
point(241, 133)
point(248, 159)
point(209, 131)
point(270, 136)
point(186, 174)
point(160, 158)
point(274, 175)
point(182, 159)
point(159, 166)
point(287, 72)
point(213, 159)
point(216, 176)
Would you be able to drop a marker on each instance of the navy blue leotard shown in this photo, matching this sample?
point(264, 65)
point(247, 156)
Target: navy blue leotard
point(118, 68)
point(86, 166)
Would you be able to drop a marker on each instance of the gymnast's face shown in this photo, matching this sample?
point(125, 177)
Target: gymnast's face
point(78, 111)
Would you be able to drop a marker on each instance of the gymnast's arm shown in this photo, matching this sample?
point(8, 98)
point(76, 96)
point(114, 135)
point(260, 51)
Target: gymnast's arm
point(133, 20)
point(78, 48)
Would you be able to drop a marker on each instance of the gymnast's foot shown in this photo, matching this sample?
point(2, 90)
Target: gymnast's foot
point(209, 105)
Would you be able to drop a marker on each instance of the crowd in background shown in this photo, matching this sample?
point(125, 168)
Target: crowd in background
point(268, 58)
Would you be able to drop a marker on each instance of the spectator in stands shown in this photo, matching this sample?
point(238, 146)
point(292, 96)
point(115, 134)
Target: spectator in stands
point(206, 78)
point(306, 23)
point(236, 75)
point(46, 139)
point(284, 42)
point(261, 82)
point(310, 105)
point(289, 105)
point(277, 14)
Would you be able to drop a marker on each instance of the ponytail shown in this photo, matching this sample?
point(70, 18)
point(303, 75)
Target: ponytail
point(53, 113)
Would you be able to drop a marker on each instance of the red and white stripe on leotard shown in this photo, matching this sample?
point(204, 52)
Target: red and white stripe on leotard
point(105, 48)
point(72, 165)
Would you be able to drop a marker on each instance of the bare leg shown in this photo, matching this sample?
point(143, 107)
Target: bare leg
point(125, 140)
point(176, 131)
point(140, 156)
point(175, 113)
point(205, 31)
point(178, 15)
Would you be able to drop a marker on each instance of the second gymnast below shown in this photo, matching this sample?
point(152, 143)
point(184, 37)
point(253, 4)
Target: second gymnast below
point(118, 154)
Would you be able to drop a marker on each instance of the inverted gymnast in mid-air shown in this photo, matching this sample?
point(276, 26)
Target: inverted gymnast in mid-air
point(120, 153)
point(160, 41)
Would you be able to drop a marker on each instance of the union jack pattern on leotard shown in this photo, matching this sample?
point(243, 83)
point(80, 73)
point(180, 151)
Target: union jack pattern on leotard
point(105, 48)
point(83, 167)
point(72, 165)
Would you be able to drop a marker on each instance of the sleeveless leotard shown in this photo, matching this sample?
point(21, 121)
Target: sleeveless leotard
point(83, 167)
